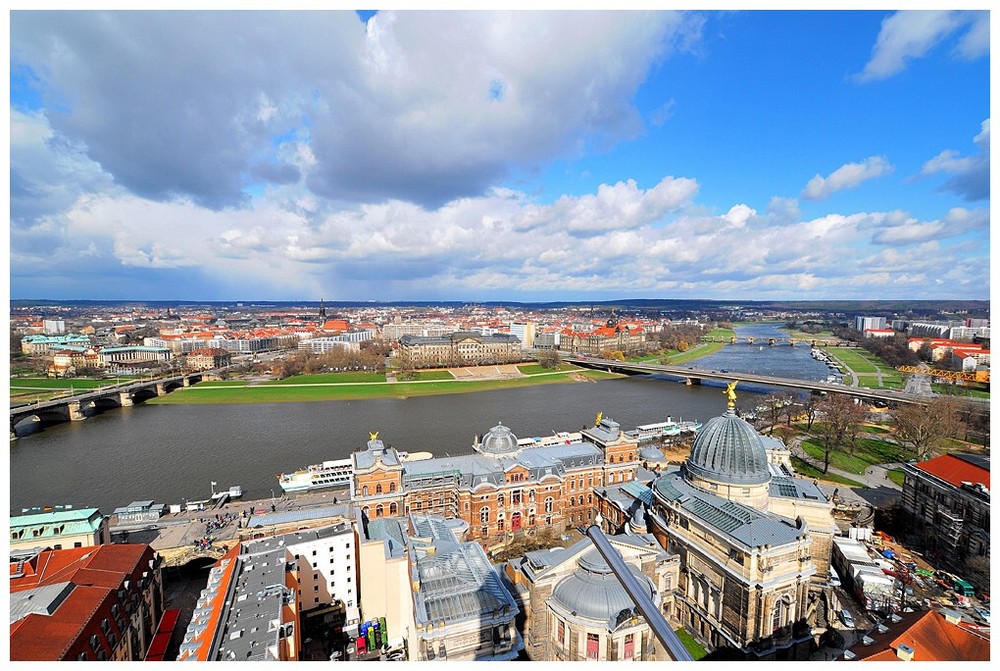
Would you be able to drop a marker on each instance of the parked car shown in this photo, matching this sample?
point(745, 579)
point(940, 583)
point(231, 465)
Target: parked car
point(845, 615)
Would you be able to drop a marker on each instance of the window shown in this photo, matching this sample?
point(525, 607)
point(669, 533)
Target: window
point(57, 546)
point(593, 645)
point(364, 491)
point(393, 509)
point(562, 632)
point(314, 553)
point(629, 646)
point(392, 487)
point(315, 588)
point(484, 515)
point(500, 500)
point(572, 484)
point(379, 510)
point(378, 488)
point(548, 504)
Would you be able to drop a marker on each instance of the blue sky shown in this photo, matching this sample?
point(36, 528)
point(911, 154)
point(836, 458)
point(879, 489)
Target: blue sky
point(500, 155)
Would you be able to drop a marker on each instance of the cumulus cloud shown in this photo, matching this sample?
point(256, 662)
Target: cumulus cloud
point(970, 174)
point(418, 106)
point(908, 35)
point(847, 176)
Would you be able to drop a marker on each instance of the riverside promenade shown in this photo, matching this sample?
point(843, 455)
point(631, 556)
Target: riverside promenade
point(176, 536)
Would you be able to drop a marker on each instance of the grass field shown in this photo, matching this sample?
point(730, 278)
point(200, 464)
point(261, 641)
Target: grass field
point(806, 470)
point(721, 333)
point(49, 383)
point(870, 451)
point(325, 378)
point(206, 395)
point(673, 357)
point(852, 359)
point(537, 369)
point(897, 476)
point(432, 375)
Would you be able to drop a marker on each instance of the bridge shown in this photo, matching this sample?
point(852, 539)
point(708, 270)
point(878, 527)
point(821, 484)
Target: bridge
point(771, 342)
point(696, 375)
point(80, 406)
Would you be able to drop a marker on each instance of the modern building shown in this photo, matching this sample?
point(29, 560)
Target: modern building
point(577, 610)
point(86, 603)
point(863, 324)
point(54, 327)
point(948, 499)
point(461, 348)
point(58, 528)
point(525, 333)
point(506, 486)
point(117, 356)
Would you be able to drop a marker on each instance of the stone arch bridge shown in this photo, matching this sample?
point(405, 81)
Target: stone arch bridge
point(80, 406)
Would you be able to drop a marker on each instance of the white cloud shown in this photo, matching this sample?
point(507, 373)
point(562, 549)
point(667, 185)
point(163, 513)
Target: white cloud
point(847, 176)
point(971, 174)
point(907, 35)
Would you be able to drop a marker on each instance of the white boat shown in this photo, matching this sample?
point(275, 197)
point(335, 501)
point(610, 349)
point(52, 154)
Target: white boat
point(233, 492)
point(659, 430)
point(335, 473)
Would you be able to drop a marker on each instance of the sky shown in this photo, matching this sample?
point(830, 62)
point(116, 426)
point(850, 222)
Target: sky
point(499, 155)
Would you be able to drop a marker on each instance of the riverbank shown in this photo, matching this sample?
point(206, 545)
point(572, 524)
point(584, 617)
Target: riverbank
point(288, 391)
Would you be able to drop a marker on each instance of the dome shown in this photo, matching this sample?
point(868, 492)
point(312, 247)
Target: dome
point(593, 592)
point(651, 454)
point(729, 450)
point(499, 440)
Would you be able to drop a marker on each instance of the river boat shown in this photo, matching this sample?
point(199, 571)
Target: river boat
point(558, 438)
point(233, 492)
point(334, 473)
point(647, 432)
point(690, 427)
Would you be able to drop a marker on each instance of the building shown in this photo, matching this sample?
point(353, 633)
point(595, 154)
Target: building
point(248, 611)
point(461, 348)
point(54, 327)
point(750, 544)
point(59, 527)
point(208, 358)
point(140, 512)
point(506, 486)
point(948, 499)
point(863, 324)
point(330, 343)
point(86, 603)
point(863, 576)
point(117, 356)
point(41, 344)
point(327, 567)
point(613, 337)
point(462, 611)
point(386, 588)
point(921, 636)
point(525, 333)
point(576, 609)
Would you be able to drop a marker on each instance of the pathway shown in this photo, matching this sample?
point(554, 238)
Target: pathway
point(874, 477)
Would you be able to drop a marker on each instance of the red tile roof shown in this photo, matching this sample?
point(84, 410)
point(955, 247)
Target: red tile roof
point(932, 638)
point(955, 470)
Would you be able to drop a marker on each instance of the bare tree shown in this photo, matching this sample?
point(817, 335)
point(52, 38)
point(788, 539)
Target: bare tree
point(809, 408)
point(773, 406)
point(924, 426)
point(841, 425)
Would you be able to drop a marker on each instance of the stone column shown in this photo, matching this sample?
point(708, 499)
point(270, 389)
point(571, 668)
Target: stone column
point(125, 399)
point(75, 411)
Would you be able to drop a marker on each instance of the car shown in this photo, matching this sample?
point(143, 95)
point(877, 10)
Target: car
point(834, 579)
point(845, 615)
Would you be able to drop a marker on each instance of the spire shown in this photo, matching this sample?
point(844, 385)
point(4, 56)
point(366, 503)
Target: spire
point(322, 311)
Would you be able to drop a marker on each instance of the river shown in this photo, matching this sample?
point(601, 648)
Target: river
point(172, 453)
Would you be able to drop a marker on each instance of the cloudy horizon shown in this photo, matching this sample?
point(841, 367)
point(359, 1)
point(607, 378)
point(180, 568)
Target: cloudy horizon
point(520, 156)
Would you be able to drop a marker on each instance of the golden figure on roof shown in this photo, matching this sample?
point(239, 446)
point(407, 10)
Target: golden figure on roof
point(372, 435)
point(731, 393)
point(597, 422)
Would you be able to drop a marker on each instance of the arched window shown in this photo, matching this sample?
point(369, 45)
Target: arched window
point(611, 477)
point(378, 488)
point(500, 499)
point(393, 509)
point(572, 501)
point(379, 510)
point(392, 487)
point(548, 505)
point(484, 515)
point(364, 491)
point(366, 511)
point(531, 495)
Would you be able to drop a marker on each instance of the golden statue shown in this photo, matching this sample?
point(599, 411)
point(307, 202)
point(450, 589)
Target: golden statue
point(372, 435)
point(597, 422)
point(731, 393)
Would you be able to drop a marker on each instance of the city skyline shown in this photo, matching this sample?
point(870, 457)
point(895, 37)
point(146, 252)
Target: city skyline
point(522, 156)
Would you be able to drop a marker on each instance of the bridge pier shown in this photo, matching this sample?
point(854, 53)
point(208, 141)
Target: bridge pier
point(186, 382)
point(770, 342)
point(125, 399)
point(732, 341)
point(160, 390)
point(692, 380)
point(75, 411)
point(750, 340)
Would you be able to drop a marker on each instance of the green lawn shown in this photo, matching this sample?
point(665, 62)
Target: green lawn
point(956, 390)
point(537, 369)
point(198, 394)
point(727, 334)
point(693, 646)
point(674, 358)
point(331, 378)
point(897, 476)
point(869, 428)
point(851, 357)
point(807, 470)
point(59, 384)
point(432, 375)
point(870, 451)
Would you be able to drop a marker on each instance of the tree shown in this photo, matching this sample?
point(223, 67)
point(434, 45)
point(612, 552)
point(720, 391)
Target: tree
point(924, 426)
point(549, 358)
point(841, 425)
point(809, 407)
point(773, 406)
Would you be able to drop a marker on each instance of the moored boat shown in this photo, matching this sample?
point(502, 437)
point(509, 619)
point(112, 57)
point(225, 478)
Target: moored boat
point(334, 473)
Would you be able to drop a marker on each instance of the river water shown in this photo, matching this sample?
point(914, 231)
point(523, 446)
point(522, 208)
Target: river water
point(172, 453)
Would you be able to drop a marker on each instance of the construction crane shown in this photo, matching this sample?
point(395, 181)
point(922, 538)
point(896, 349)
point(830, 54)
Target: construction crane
point(968, 376)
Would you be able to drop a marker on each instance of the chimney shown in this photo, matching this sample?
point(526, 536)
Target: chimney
point(904, 652)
